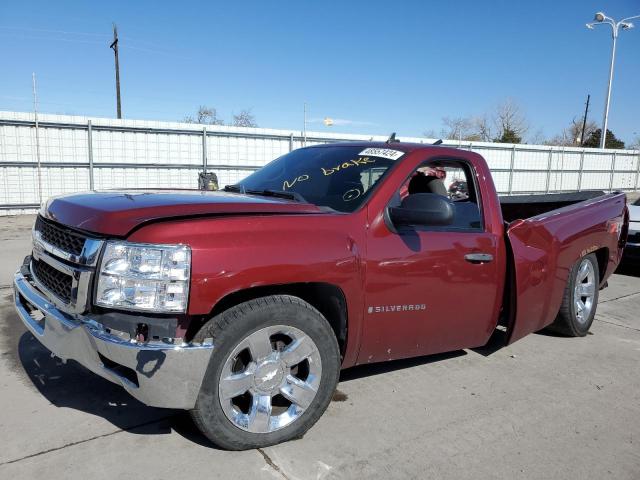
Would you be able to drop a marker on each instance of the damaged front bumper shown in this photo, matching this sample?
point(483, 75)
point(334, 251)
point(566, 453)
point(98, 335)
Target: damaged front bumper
point(158, 374)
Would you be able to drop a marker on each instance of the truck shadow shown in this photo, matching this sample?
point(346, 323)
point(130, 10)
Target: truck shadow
point(69, 385)
point(372, 369)
point(628, 268)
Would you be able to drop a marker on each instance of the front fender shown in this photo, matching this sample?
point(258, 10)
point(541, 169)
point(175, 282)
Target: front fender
point(230, 254)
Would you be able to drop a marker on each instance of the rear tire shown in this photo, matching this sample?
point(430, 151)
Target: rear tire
point(580, 299)
point(273, 371)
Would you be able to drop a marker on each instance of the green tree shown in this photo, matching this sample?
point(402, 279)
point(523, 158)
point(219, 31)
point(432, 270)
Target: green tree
point(508, 136)
point(593, 140)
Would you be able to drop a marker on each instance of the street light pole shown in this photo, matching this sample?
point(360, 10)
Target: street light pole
point(605, 118)
point(600, 19)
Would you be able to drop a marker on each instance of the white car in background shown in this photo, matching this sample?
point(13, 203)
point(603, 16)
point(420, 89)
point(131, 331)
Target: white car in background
point(632, 249)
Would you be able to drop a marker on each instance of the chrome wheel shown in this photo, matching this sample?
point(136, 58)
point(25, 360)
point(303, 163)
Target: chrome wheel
point(270, 379)
point(584, 291)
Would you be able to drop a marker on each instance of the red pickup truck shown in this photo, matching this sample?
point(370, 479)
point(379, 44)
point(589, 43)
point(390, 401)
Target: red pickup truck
point(243, 305)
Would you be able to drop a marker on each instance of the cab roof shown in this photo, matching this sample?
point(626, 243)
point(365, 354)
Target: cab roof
point(407, 147)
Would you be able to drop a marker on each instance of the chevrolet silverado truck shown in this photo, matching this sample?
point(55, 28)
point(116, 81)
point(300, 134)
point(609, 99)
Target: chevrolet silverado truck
point(243, 305)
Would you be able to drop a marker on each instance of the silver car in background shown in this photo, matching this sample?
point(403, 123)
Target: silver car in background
point(632, 249)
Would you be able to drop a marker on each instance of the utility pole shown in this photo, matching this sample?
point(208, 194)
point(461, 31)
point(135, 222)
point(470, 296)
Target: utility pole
point(35, 114)
point(584, 121)
point(304, 125)
point(114, 46)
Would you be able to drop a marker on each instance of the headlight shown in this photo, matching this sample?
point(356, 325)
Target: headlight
point(137, 276)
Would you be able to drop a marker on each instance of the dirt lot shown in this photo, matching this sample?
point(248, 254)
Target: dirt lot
point(545, 407)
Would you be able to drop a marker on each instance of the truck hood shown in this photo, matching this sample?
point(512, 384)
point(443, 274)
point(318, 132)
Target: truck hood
point(118, 213)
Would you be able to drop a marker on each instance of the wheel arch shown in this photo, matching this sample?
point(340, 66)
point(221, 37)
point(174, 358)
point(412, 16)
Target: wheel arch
point(327, 298)
point(602, 256)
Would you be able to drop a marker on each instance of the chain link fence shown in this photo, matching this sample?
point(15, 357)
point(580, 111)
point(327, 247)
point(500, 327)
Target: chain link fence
point(80, 153)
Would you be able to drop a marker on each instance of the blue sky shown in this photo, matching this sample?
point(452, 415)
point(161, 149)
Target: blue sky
point(379, 66)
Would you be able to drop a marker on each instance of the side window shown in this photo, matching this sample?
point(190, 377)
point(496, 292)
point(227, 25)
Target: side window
point(451, 179)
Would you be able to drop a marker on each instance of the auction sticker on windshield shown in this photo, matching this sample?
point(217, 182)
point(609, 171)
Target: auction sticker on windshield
point(382, 152)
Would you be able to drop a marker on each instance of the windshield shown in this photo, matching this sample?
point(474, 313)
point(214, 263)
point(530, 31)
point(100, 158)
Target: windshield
point(339, 177)
point(637, 202)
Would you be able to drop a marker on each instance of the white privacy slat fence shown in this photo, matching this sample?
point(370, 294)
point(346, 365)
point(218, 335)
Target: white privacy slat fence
point(80, 153)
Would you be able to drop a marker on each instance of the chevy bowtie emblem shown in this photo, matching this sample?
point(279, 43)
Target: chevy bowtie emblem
point(38, 248)
point(269, 376)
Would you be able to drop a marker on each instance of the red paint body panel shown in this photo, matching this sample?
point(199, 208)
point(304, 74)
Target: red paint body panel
point(239, 242)
point(462, 300)
point(545, 248)
point(117, 213)
point(237, 253)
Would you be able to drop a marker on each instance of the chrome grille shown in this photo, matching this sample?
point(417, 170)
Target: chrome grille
point(60, 237)
point(57, 282)
point(63, 264)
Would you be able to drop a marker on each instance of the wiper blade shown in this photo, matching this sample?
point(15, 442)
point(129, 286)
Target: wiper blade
point(279, 194)
point(266, 193)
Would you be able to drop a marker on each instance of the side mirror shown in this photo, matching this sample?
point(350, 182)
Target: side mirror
point(425, 209)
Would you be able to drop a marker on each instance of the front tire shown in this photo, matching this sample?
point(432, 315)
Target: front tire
point(580, 298)
point(273, 371)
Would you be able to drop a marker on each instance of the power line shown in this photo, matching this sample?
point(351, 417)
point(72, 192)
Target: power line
point(44, 30)
point(48, 39)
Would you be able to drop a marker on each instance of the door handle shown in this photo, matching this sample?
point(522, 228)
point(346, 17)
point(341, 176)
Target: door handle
point(478, 257)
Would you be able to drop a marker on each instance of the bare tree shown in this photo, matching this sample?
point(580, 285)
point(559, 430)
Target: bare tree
point(635, 143)
point(458, 128)
point(510, 120)
point(244, 119)
point(575, 130)
point(429, 134)
point(471, 129)
point(562, 139)
point(538, 138)
point(205, 115)
point(573, 135)
point(482, 128)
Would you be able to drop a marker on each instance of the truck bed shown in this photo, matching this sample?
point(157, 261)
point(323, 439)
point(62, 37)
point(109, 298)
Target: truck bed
point(544, 247)
point(516, 207)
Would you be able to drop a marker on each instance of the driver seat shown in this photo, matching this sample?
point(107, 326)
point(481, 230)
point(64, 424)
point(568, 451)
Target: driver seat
point(421, 183)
